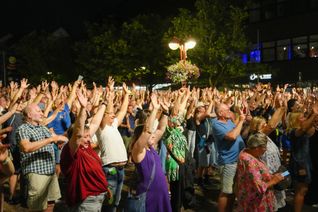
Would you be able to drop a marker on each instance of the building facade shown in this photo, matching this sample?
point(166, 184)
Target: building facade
point(284, 35)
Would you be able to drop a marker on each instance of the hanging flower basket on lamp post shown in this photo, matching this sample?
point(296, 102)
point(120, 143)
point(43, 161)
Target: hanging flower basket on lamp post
point(182, 71)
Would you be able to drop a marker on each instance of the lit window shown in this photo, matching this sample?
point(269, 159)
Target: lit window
point(283, 49)
point(300, 47)
point(300, 51)
point(255, 56)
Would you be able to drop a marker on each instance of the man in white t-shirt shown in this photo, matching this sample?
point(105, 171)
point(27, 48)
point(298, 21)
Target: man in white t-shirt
point(112, 149)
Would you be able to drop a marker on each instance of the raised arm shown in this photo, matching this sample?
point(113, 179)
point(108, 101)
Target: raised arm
point(233, 134)
point(273, 122)
point(72, 95)
point(42, 89)
point(23, 86)
point(123, 109)
point(163, 121)
point(308, 123)
point(142, 141)
point(78, 130)
point(97, 119)
point(49, 119)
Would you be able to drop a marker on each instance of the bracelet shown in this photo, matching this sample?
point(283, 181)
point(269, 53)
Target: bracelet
point(165, 113)
point(5, 162)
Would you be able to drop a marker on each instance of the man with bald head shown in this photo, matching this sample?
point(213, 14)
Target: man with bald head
point(229, 144)
point(37, 160)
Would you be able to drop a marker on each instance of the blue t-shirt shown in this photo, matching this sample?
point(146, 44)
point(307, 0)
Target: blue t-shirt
point(62, 121)
point(228, 150)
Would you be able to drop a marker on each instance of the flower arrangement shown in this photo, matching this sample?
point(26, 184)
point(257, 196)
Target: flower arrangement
point(182, 71)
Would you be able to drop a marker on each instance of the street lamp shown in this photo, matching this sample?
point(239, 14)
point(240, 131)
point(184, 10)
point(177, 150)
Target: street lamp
point(183, 46)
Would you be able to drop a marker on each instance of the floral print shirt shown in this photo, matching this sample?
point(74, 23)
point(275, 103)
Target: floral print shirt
point(252, 191)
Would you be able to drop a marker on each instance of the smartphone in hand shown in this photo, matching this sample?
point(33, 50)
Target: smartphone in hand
point(285, 173)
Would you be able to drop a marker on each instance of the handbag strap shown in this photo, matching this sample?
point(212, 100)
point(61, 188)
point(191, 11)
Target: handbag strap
point(152, 172)
point(12, 120)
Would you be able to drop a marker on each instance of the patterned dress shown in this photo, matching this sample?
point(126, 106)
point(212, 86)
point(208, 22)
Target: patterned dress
point(252, 190)
point(176, 143)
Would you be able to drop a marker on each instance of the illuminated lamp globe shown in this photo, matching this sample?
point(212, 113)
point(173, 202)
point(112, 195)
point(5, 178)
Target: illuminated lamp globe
point(190, 44)
point(173, 45)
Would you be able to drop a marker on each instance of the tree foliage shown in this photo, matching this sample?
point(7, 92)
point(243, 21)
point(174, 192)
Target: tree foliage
point(129, 53)
point(40, 52)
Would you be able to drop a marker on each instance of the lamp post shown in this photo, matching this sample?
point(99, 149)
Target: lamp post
point(183, 46)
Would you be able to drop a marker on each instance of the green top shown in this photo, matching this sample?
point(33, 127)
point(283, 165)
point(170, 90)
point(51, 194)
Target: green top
point(176, 144)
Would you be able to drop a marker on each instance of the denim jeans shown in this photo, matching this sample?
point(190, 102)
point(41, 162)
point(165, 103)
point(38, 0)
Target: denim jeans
point(90, 204)
point(115, 183)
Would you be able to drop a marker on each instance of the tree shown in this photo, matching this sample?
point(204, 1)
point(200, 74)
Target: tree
point(97, 56)
point(146, 49)
point(133, 52)
point(218, 27)
point(40, 53)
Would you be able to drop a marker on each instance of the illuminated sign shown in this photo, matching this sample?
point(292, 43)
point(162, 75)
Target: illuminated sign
point(262, 76)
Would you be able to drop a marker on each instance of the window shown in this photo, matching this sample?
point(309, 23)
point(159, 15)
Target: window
point(300, 50)
point(244, 58)
point(254, 12)
point(313, 46)
point(268, 12)
point(268, 54)
point(255, 15)
point(282, 9)
point(283, 50)
point(300, 47)
point(269, 44)
point(255, 56)
point(300, 6)
point(313, 4)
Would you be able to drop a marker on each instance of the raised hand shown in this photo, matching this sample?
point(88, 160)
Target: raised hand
point(44, 86)
point(165, 105)
point(82, 99)
point(111, 83)
point(154, 101)
point(24, 83)
point(125, 88)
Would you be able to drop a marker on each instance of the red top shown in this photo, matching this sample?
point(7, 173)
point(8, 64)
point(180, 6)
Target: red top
point(83, 173)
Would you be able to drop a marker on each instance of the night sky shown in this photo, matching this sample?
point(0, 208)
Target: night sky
point(19, 17)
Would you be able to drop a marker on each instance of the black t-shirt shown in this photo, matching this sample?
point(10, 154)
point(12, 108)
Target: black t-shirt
point(191, 124)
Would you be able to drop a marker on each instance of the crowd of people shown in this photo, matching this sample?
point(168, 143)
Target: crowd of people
point(86, 136)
